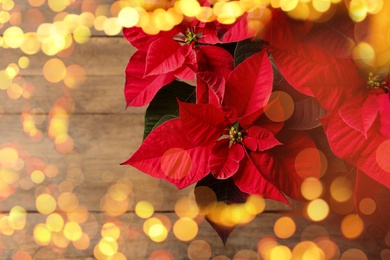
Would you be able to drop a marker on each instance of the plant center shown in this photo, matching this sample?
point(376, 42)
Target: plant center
point(234, 134)
point(191, 37)
point(376, 82)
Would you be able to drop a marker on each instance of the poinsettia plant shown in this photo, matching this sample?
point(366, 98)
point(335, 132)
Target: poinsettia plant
point(216, 132)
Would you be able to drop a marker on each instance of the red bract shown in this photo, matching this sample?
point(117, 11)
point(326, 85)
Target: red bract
point(178, 53)
point(231, 140)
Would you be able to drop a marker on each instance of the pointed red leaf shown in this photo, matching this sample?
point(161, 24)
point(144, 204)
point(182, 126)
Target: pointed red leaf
point(383, 101)
point(340, 29)
point(238, 31)
point(249, 85)
point(203, 124)
point(284, 32)
point(168, 154)
point(313, 72)
point(224, 160)
point(164, 55)
point(367, 154)
point(140, 90)
point(259, 139)
point(141, 40)
point(281, 167)
point(251, 181)
point(210, 88)
point(215, 59)
point(360, 114)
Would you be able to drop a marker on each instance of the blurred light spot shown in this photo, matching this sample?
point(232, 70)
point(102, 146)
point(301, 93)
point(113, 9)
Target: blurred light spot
point(110, 230)
point(54, 70)
point(17, 218)
point(288, 5)
point(321, 5)
point(255, 204)
point(21, 255)
point(8, 157)
point(45, 204)
point(82, 34)
point(185, 229)
point(364, 51)
point(36, 3)
point(357, 10)
point(184, 207)
point(314, 233)
point(42, 234)
point(111, 26)
point(83, 243)
point(23, 62)
point(317, 210)
point(59, 240)
point(55, 222)
point(352, 226)
point(330, 249)
point(108, 246)
point(128, 17)
point(353, 253)
point(13, 37)
point(37, 176)
point(367, 206)
point(189, 8)
point(311, 188)
point(75, 76)
point(246, 254)
point(58, 6)
point(385, 254)
point(265, 246)
point(67, 201)
point(310, 162)
point(176, 163)
point(307, 250)
point(155, 229)
point(199, 249)
point(161, 254)
point(341, 189)
point(382, 155)
point(72, 231)
point(144, 209)
point(5, 80)
point(284, 227)
point(51, 170)
point(280, 106)
point(280, 252)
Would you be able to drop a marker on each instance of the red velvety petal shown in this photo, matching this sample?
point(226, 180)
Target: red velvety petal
point(203, 124)
point(369, 155)
point(215, 59)
point(360, 114)
point(140, 90)
point(249, 180)
point(167, 154)
point(238, 31)
point(259, 139)
point(249, 85)
point(383, 102)
point(225, 158)
point(280, 166)
point(139, 39)
point(163, 56)
point(332, 81)
point(284, 32)
point(210, 88)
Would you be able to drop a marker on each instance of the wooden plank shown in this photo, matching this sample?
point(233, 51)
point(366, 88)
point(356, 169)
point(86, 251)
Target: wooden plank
point(97, 95)
point(102, 56)
point(135, 244)
point(31, 17)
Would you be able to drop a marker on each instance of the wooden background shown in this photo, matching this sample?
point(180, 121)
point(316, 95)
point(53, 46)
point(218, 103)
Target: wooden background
point(106, 134)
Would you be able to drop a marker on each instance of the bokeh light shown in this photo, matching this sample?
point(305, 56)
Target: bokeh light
point(284, 227)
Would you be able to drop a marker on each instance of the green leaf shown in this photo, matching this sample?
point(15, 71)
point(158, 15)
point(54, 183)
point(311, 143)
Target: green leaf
point(164, 105)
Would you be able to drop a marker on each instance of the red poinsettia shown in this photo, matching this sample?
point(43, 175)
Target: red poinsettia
point(179, 53)
point(321, 66)
point(231, 139)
